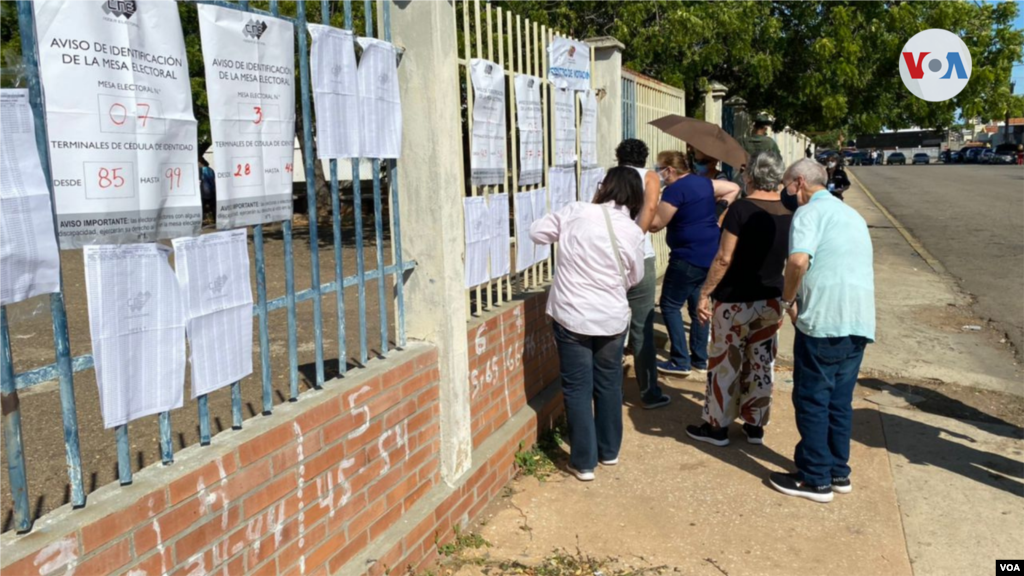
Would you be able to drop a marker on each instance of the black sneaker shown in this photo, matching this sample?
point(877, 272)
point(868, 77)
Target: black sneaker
point(755, 434)
point(705, 433)
point(791, 485)
point(842, 485)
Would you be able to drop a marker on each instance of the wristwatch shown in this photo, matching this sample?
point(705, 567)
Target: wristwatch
point(787, 304)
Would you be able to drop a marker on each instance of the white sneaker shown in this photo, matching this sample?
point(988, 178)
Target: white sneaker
point(582, 475)
point(609, 462)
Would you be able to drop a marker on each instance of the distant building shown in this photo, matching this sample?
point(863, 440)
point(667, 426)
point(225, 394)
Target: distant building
point(910, 142)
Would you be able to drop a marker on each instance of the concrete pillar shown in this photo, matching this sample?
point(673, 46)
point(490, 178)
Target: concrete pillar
point(713, 98)
point(430, 181)
point(607, 82)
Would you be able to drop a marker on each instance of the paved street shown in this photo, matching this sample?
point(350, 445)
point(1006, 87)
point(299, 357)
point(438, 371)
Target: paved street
point(970, 217)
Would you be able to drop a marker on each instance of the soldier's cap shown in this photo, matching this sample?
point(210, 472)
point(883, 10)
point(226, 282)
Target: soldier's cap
point(764, 118)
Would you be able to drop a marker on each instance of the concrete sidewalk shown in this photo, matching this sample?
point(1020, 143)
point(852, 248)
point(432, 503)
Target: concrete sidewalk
point(933, 494)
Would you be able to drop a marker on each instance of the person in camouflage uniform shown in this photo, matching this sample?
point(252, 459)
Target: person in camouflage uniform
point(757, 141)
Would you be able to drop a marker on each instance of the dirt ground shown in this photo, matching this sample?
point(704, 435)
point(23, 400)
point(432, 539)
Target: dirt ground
point(32, 346)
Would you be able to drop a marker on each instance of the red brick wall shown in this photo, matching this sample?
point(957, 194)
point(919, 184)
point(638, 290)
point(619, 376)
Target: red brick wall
point(512, 357)
point(302, 497)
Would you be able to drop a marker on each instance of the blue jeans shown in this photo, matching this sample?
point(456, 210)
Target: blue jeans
point(824, 374)
point(591, 368)
point(682, 286)
point(641, 333)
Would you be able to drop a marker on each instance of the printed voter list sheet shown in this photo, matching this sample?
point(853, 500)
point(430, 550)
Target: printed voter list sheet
point(250, 82)
point(137, 326)
point(590, 182)
point(524, 219)
point(588, 128)
point(380, 106)
point(501, 239)
point(29, 261)
point(541, 252)
point(563, 187)
point(565, 126)
point(487, 142)
point(530, 122)
point(335, 92)
point(478, 240)
point(122, 135)
point(213, 273)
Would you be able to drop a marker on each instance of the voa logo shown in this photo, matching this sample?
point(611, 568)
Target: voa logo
point(935, 65)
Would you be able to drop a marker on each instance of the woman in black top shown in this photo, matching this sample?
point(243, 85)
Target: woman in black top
point(745, 281)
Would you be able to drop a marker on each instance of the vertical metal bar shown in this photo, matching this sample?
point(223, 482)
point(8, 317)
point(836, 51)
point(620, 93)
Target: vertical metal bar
point(166, 446)
point(368, 14)
point(468, 55)
point(325, 12)
point(515, 138)
point(61, 342)
point(396, 223)
point(236, 406)
point(382, 279)
point(204, 420)
point(264, 328)
point(528, 70)
point(339, 295)
point(311, 205)
point(489, 189)
point(357, 207)
point(124, 457)
point(348, 14)
point(12, 432)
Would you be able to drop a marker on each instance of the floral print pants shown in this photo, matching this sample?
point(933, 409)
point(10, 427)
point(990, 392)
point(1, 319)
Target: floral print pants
point(744, 342)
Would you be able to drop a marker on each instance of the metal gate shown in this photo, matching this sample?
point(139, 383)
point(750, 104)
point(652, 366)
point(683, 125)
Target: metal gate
point(65, 365)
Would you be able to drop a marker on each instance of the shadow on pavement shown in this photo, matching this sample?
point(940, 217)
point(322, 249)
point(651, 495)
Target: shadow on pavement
point(685, 409)
point(923, 444)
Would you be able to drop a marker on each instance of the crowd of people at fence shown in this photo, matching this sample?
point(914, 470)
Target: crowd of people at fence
point(740, 265)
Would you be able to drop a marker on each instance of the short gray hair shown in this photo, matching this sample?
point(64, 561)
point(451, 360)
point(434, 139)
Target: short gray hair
point(765, 170)
point(810, 170)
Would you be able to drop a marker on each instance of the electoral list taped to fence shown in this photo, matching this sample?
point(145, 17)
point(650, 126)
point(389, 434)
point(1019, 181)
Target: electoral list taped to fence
point(119, 114)
point(29, 262)
point(250, 83)
point(530, 122)
point(487, 143)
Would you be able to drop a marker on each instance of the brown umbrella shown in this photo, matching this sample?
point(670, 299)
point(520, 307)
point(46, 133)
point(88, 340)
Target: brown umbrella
point(704, 136)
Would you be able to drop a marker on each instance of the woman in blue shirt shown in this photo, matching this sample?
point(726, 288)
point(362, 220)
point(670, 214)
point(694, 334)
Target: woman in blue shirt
point(688, 212)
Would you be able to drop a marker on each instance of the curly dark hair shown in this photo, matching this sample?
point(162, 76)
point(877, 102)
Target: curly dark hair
point(623, 186)
point(632, 152)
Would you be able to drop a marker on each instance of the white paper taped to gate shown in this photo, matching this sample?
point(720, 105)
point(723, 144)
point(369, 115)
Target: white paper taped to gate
point(565, 127)
point(588, 128)
point(478, 240)
point(501, 239)
point(250, 83)
point(570, 64)
point(524, 219)
point(137, 326)
point(590, 182)
point(563, 187)
point(213, 273)
point(29, 262)
point(487, 143)
point(335, 91)
point(541, 252)
point(380, 105)
point(119, 114)
point(530, 121)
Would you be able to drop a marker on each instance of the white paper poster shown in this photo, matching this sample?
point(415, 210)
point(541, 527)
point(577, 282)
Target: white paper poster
point(213, 273)
point(530, 121)
point(588, 128)
point(565, 127)
point(335, 92)
point(250, 83)
point(563, 187)
point(501, 239)
point(541, 252)
point(523, 206)
point(119, 114)
point(570, 64)
point(380, 105)
point(487, 144)
point(590, 182)
point(29, 262)
point(478, 240)
point(138, 330)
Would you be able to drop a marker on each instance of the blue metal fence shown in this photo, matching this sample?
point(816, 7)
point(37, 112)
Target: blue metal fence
point(65, 365)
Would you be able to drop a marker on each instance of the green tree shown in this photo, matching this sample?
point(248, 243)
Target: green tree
point(817, 66)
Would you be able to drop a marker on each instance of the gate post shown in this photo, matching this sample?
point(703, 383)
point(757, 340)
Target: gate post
point(607, 76)
point(713, 97)
point(430, 183)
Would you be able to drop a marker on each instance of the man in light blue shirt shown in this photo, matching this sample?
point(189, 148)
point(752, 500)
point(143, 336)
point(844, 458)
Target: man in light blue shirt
point(830, 297)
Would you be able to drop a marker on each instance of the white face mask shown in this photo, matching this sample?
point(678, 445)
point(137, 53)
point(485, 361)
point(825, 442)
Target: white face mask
point(831, 164)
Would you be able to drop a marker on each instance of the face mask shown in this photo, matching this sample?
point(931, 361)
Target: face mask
point(789, 201)
point(700, 168)
point(831, 164)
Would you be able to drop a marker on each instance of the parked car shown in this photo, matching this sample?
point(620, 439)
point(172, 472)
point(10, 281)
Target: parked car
point(1004, 154)
point(972, 155)
point(945, 156)
point(985, 157)
point(896, 158)
point(860, 158)
point(921, 158)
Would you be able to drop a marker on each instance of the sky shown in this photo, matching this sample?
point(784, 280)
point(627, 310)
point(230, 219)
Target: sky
point(1018, 69)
